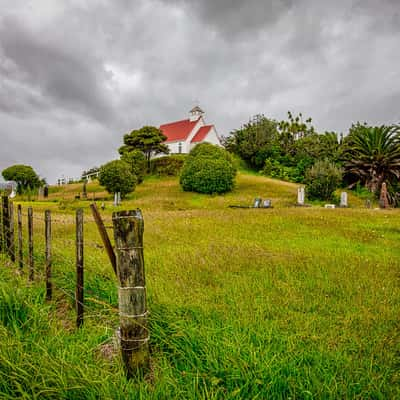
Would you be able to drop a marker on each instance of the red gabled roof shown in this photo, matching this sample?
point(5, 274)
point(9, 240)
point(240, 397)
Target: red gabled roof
point(178, 130)
point(201, 133)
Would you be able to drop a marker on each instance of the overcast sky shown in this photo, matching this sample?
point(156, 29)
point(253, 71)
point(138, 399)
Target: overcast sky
point(75, 75)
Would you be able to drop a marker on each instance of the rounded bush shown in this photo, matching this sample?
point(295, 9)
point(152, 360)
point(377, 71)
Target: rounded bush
point(116, 176)
point(207, 175)
point(322, 179)
point(211, 151)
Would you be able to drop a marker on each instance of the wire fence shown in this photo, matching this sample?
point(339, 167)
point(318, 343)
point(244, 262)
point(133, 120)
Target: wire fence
point(53, 261)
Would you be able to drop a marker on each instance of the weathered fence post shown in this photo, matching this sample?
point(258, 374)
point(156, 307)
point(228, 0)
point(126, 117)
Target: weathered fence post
point(47, 220)
point(2, 244)
point(6, 223)
point(30, 243)
point(11, 245)
point(134, 334)
point(79, 268)
point(20, 248)
point(104, 236)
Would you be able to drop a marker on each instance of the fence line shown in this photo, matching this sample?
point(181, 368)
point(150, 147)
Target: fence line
point(128, 225)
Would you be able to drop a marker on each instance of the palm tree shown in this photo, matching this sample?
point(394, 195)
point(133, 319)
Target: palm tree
point(373, 154)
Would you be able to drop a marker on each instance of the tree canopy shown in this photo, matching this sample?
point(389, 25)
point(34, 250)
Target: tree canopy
point(372, 154)
point(24, 175)
point(116, 176)
point(148, 140)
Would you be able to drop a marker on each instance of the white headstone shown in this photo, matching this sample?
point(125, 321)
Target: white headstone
point(115, 199)
point(343, 199)
point(300, 196)
point(330, 206)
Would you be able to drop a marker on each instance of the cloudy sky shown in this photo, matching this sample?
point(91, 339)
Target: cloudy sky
point(75, 75)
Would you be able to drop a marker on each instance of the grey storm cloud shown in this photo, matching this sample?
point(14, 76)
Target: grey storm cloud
point(75, 76)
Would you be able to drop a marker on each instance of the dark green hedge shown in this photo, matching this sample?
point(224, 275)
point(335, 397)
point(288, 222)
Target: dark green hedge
point(168, 165)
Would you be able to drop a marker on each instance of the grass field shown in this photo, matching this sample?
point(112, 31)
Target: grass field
point(299, 303)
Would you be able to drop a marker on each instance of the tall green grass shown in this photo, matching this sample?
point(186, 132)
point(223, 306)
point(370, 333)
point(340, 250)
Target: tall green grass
point(298, 303)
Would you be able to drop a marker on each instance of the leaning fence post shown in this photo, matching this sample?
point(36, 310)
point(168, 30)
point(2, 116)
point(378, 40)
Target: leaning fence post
point(79, 268)
point(47, 220)
point(134, 334)
point(30, 243)
point(20, 248)
point(11, 245)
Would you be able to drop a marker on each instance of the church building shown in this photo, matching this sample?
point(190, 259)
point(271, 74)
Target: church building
point(183, 135)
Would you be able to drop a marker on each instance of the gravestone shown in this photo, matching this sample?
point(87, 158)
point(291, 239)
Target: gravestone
point(266, 203)
point(40, 192)
point(383, 199)
point(343, 199)
point(330, 206)
point(368, 203)
point(117, 198)
point(257, 202)
point(300, 196)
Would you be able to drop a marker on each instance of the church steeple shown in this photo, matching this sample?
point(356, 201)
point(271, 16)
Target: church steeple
point(195, 113)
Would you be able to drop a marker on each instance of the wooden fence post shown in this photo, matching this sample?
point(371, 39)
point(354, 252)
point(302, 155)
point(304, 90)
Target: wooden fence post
point(47, 220)
point(79, 268)
point(11, 246)
point(134, 334)
point(6, 223)
point(2, 245)
point(104, 236)
point(30, 243)
point(20, 248)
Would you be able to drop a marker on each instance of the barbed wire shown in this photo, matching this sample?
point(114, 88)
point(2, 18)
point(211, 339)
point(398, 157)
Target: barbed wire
point(38, 274)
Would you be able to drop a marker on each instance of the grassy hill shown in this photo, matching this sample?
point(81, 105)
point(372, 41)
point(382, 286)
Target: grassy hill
point(287, 302)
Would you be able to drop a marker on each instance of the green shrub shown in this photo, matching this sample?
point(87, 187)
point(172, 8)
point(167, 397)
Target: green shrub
point(208, 169)
point(116, 176)
point(275, 169)
point(211, 151)
point(168, 165)
point(322, 179)
point(207, 175)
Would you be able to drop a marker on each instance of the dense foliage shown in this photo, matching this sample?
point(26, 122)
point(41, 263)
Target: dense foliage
point(285, 150)
point(208, 169)
point(372, 155)
point(168, 165)
point(116, 176)
point(148, 140)
point(137, 162)
point(24, 175)
point(322, 179)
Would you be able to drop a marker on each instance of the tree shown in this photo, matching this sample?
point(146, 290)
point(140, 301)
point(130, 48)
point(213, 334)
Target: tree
point(322, 179)
point(137, 162)
point(116, 176)
point(293, 129)
point(255, 141)
point(148, 140)
point(372, 154)
point(24, 175)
